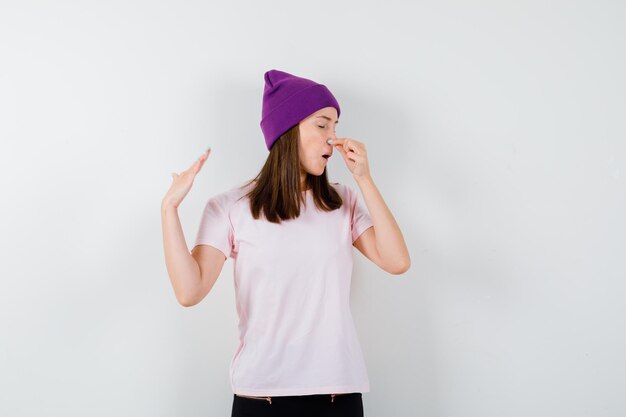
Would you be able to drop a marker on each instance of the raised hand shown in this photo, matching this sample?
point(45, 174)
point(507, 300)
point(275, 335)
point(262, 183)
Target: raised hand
point(182, 182)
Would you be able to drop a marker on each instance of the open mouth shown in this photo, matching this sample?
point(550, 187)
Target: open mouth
point(326, 156)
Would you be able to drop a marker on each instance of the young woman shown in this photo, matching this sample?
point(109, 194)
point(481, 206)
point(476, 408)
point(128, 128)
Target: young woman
point(290, 233)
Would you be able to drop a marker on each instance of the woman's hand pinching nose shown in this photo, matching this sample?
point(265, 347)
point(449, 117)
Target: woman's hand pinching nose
point(354, 154)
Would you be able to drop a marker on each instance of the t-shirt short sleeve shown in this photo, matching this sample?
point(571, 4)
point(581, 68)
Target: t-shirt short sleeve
point(360, 219)
point(215, 227)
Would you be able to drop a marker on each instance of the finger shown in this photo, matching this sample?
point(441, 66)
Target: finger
point(352, 155)
point(340, 146)
point(192, 167)
point(338, 142)
point(197, 164)
point(347, 144)
point(343, 155)
point(355, 146)
point(203, 158)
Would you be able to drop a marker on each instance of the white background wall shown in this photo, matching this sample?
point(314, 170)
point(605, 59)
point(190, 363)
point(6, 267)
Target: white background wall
point(495, 132)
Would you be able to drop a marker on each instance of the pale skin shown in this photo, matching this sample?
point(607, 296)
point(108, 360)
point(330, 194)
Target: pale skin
point(383, 243)
point(193, 275)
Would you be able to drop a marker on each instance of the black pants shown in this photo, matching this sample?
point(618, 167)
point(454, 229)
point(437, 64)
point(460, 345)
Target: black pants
point(318, 405)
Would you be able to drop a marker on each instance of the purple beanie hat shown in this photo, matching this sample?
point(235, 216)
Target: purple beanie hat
point(287, 100)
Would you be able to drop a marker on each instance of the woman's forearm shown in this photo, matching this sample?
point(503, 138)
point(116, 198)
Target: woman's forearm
point(182, 268)
point(389, 240)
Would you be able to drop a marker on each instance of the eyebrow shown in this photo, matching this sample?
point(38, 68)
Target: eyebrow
point(328, 118)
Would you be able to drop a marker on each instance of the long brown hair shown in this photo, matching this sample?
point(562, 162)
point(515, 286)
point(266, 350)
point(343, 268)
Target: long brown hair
point(277, 193)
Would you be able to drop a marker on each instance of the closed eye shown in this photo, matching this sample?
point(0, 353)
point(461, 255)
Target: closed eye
point(323, 127)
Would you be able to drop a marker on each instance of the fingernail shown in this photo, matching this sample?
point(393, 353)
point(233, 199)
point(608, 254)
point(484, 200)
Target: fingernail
point(208, 149)
point(329, 140)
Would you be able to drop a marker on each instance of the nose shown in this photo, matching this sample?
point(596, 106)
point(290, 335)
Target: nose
point(332, 136)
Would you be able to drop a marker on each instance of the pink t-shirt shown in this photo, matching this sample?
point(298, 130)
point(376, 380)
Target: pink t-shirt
point(292, 290)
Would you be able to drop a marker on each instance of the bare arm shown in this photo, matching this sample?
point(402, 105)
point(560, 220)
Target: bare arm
point(182, 268)
point(192, 274)
point(384, 243)
point(388, 242)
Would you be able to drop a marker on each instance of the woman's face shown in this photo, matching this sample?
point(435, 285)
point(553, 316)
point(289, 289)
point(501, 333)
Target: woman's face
point(314, 131)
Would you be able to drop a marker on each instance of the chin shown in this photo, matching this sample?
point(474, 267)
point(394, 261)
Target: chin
point(316, 172)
